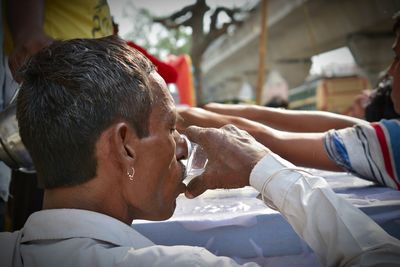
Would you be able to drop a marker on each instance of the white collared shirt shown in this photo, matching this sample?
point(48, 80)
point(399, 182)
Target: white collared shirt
point(339, 233)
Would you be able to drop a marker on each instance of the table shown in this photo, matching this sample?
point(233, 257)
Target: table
point(235, 223)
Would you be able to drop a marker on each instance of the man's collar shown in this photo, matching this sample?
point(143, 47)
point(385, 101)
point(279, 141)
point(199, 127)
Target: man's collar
point(56, 224)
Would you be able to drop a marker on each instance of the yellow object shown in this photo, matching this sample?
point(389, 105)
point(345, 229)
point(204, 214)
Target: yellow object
point(328, 94)
point(69, 19)
point(77, 19)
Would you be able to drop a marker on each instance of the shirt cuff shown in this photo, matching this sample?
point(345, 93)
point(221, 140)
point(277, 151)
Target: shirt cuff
point(279, 184)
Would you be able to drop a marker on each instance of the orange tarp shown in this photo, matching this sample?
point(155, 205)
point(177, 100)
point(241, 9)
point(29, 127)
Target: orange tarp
point(184, 83)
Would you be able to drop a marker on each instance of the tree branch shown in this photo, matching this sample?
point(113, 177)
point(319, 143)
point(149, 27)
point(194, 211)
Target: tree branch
point(170, 24)
point(215, 33)
point(231, 12)
point(179, 13)
point(173, 22)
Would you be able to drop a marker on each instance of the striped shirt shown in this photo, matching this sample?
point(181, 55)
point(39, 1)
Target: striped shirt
point(369, 151)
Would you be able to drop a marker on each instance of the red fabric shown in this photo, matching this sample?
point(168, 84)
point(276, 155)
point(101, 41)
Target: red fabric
point(168, 72)
point(184, 83)
point(385, 151)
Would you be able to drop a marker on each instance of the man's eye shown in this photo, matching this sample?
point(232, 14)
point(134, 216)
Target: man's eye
point(172, 130)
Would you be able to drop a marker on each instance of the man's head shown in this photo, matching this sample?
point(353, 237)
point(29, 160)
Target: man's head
point(96, 109)
point(394, 70)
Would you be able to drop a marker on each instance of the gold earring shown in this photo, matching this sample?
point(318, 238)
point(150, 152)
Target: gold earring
point(130, 174)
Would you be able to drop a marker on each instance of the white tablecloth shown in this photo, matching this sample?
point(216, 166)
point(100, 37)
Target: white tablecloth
point(236, 224)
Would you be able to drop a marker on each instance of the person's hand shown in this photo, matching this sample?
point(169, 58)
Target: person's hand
point(25, 48)
point(232, 153)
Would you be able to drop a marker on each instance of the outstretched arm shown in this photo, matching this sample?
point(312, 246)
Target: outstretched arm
point(287, 120)
point(304, 149)
point(339, 233)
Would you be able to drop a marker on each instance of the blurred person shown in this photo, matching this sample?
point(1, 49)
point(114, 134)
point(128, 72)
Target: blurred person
point(108, 153)
point(318, 139)
point(374, 105)
point(357, 109)
point(380, 104)
point(33, 25)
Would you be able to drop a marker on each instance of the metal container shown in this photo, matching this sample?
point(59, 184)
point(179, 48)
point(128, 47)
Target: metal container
point(12, 150)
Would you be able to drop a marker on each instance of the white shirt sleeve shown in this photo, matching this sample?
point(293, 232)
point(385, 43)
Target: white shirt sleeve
point(339, 233)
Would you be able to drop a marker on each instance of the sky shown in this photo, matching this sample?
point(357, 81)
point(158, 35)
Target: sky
point(321, 63)
point(157, 7)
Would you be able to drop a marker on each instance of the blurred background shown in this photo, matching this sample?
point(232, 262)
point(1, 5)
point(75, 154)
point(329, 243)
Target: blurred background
point(297, 54)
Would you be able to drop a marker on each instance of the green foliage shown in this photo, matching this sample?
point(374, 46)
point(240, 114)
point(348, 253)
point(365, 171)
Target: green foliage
point(176, 41)
point(155, 38)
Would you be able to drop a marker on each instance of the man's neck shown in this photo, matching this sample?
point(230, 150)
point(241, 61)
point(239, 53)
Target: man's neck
point(87, 197)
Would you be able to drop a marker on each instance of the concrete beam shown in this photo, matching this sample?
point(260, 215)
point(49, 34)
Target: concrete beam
point(297, 31)
point(372, 53)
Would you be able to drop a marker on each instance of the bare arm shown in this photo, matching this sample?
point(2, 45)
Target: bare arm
point(339, 233)
point(287, 120)
point(26, 25)
point(305, 149)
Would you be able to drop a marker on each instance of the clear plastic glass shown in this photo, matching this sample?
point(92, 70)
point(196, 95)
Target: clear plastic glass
point(196, 161)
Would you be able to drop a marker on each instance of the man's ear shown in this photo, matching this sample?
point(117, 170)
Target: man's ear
point(123, 140)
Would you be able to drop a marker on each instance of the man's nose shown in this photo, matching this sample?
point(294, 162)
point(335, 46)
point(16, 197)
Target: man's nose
point(182, 149)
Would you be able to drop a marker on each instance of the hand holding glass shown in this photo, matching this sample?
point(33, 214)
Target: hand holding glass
point(196, 161)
